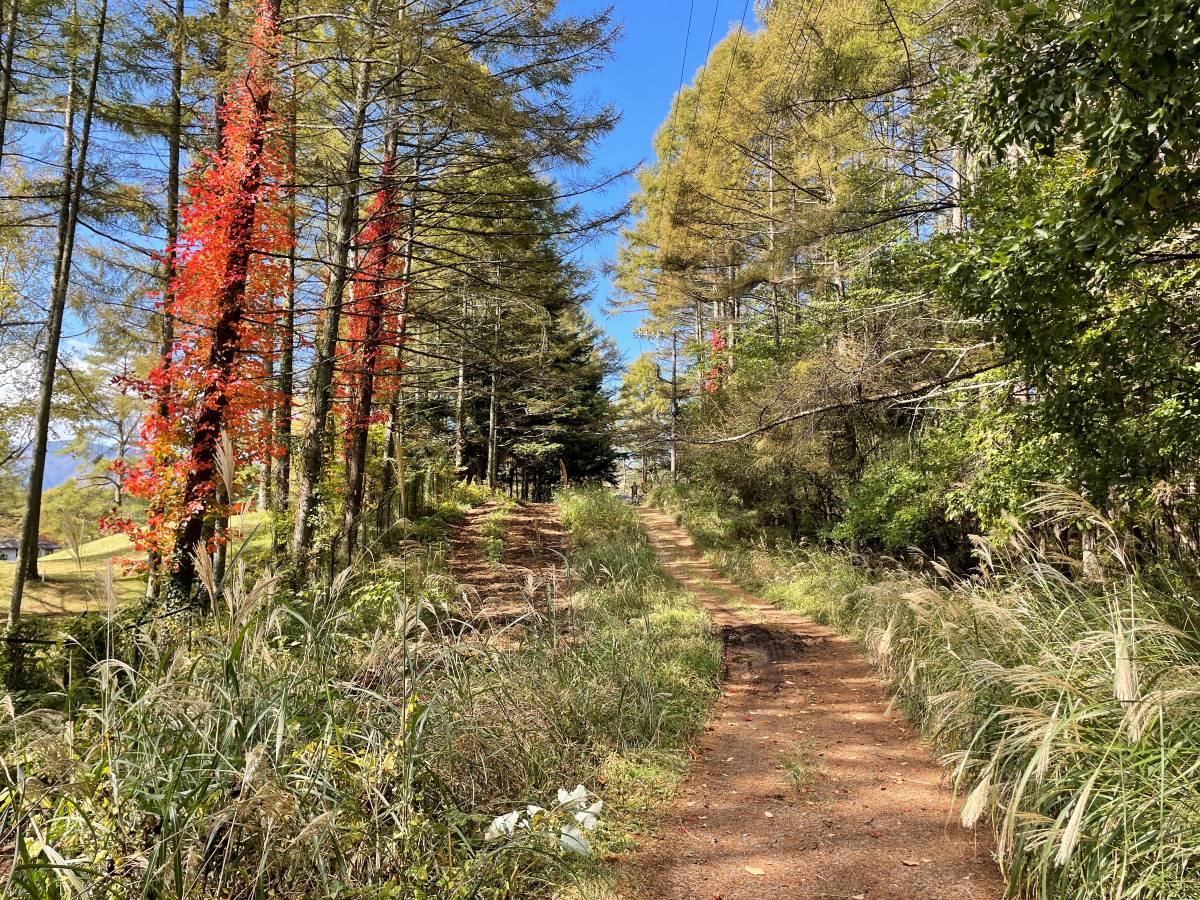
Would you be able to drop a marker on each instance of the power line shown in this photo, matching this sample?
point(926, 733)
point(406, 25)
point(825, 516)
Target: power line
point(732, 62)
point(674, 114)
point(682, 70)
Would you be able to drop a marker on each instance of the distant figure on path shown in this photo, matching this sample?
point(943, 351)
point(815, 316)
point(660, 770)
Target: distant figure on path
point(633, 489)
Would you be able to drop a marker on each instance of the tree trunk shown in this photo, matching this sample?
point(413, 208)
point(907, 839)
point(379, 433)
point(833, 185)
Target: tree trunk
point(1092, 569)
point(266, 474)
point(72, 189)
point(491, 436)
point(356, 462)
point(460, 395)
point(373, 346)
point(401, 455)
point(222, 64)
point(166, 343)
point(674, 450)
point(287, 337)
point(6, 70)
point(387, 481)
point(312, 463)
point(222, 354)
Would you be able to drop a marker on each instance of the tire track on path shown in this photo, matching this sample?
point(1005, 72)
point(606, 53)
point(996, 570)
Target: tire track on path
point(806, 785)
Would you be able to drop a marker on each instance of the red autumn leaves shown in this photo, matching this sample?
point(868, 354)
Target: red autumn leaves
point(230, 264)
point(214, 390)
point(713, 377)
point(376, 317)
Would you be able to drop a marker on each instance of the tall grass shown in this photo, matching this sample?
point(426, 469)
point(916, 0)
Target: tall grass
point(358, 746)
point(1068, 709)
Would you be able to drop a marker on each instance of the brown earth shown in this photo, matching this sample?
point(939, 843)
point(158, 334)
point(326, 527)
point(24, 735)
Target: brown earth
point(805, 786)
point(531, 568)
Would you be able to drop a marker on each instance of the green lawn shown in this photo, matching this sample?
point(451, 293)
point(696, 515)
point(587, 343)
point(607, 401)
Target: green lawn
point(66, 587)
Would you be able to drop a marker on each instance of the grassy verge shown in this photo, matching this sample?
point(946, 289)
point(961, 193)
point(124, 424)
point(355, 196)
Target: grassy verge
point(353, 746)
point(1069, 712)
point(494, 531)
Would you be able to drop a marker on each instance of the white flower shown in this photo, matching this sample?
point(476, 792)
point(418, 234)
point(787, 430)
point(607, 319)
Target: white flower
point(589, 817)
point(503, 825)
point(577, 797)
point(571, 838)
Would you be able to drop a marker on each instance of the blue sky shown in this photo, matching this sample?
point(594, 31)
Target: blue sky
point(640, 81)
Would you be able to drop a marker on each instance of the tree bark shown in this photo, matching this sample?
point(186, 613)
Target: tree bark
point(460, 395)
point(222, 354)
point(493, 413)
point(491, 444)
point(166, 343)
point(222, 65)
point(287, 337)
point(6, 71)
point(312, 464)
point(674, 449)
point(373, 348)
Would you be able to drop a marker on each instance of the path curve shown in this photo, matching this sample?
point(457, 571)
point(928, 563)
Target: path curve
point(806, 786)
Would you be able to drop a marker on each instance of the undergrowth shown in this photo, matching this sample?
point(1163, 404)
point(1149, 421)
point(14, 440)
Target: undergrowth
point(494, 531)
point(1067, 709)
point(362, 743)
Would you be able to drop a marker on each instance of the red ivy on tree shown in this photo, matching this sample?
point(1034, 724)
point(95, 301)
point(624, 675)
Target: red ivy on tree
point(376, 316)
point(712, 378)
point(231, 270)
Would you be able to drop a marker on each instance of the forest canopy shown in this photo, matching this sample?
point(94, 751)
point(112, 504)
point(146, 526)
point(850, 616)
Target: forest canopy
point(910, 263)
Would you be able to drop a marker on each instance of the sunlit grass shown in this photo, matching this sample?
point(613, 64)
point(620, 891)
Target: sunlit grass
point(67, 585)
point(1067, 710)
point(360, 745)
point(800, 768)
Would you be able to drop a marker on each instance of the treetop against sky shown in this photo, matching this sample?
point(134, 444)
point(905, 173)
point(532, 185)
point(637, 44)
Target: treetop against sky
point(640, 80)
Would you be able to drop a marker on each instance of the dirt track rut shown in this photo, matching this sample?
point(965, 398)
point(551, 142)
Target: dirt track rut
point(806, 785)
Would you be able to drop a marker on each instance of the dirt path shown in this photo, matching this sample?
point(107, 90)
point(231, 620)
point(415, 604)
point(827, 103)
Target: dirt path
point(531, 566)
point(806, 786)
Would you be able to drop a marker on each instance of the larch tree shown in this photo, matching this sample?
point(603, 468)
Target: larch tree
point(229, 275)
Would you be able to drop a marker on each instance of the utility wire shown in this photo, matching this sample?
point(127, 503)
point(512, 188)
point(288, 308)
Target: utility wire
point(687, 37)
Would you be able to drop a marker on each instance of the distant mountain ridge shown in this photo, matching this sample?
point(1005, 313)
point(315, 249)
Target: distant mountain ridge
point(60, 464)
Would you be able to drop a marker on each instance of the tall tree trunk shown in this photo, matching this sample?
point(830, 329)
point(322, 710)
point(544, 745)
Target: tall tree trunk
point(460, 395)
point(356, 462)
point(491, 443)
point(493, 412)
point(776, 331)
point(674, 449)
point(6, 70)
point(312, 463)
point(387, 481)
point(72, 190)
point(401, 455)
point(174, 162)
point(266, 475)
point(287, 336)
point(210, 421)
point(222, 65)
point(373, 346)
